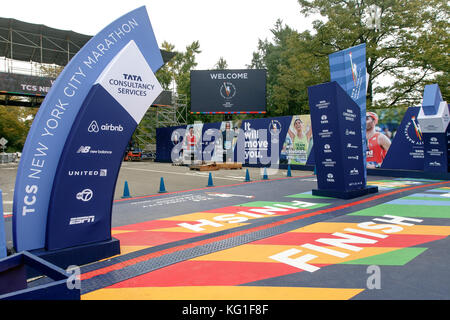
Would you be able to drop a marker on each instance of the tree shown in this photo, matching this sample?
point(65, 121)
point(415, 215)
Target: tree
point(221, 64)
point(292, 65)
point(14, 125)
point(165, 73)
point(410, 48)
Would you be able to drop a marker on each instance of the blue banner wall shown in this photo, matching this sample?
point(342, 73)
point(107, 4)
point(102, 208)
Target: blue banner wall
point(407, 149)
point(258, 137)
point(251, 141)
point(53, 123)
point(212, 143)
point(338, 151)
point(2, 229)
point(167, 139)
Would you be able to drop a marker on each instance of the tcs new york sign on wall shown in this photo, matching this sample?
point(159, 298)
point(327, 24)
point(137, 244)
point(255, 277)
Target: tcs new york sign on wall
point(68, 171)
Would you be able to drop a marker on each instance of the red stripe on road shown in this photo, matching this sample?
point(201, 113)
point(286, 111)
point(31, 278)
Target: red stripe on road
point(208, 273)
point(146, 257)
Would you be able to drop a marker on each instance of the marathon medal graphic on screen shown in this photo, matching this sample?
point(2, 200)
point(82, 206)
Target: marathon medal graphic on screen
point(228, 91)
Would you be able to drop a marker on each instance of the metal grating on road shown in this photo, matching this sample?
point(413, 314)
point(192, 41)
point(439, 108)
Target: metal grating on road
point(221, 241)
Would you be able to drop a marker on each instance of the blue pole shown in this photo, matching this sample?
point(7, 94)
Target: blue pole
point(265, 177)
point(247, 176)
point(126, 191)
point(162, 187)
point(289, 174)
point(2, 230)
point(210, 181)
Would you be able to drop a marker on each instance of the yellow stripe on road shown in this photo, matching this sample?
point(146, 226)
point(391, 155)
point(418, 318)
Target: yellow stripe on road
point(222, 293)
point(261, 253)
point(331, 227)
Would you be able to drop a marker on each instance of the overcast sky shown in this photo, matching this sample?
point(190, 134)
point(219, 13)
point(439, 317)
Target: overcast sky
point(224, 28)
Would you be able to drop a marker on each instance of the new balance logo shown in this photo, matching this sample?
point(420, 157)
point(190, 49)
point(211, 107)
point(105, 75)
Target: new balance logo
point(84, 149)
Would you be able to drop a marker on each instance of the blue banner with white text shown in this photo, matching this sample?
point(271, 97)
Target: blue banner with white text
point(337, 135)
point(59, 111)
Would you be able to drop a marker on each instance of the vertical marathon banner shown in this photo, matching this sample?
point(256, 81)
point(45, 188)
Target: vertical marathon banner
point(65, 108)
point(348, 69)
point(338, 152)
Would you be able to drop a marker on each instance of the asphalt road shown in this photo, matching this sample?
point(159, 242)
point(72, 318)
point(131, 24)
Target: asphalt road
point(144, 178)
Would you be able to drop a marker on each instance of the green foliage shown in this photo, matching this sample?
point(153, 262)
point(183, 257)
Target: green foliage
point(176, 72)
point(221, 64)
point(291, 66)
point(14, 125)
point(408, 50)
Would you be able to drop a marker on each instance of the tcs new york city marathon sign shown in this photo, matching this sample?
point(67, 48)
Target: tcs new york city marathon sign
point(67, 175)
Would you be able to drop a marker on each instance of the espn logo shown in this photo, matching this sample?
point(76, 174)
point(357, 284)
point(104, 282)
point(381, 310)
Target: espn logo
point(80, 220)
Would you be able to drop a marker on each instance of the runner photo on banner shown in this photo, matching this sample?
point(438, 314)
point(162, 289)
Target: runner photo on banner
point(230, 132)
point(299, 141)
point(378, 143)
point(193, 142)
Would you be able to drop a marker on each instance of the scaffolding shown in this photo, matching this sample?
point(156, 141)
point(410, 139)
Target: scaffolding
point(157, 116)
point(36, 50)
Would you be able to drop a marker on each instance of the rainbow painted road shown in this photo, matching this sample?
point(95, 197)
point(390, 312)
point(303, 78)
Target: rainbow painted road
point(273, 240)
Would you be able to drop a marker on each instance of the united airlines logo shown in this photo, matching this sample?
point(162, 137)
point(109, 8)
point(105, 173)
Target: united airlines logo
point(83, 173)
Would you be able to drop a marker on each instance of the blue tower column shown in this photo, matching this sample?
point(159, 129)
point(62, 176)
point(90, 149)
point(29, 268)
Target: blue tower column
point(338, 148)
point(434, 118)
point(2, 230)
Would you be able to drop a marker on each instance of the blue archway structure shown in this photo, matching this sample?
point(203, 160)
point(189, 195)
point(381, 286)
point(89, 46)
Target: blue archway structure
point(67, 174)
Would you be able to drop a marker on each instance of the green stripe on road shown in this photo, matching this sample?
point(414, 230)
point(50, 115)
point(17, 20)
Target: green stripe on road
point(411, 211)
point(394, 258)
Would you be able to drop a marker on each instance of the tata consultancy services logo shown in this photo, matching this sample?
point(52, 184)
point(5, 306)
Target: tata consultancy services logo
point(228, 90)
